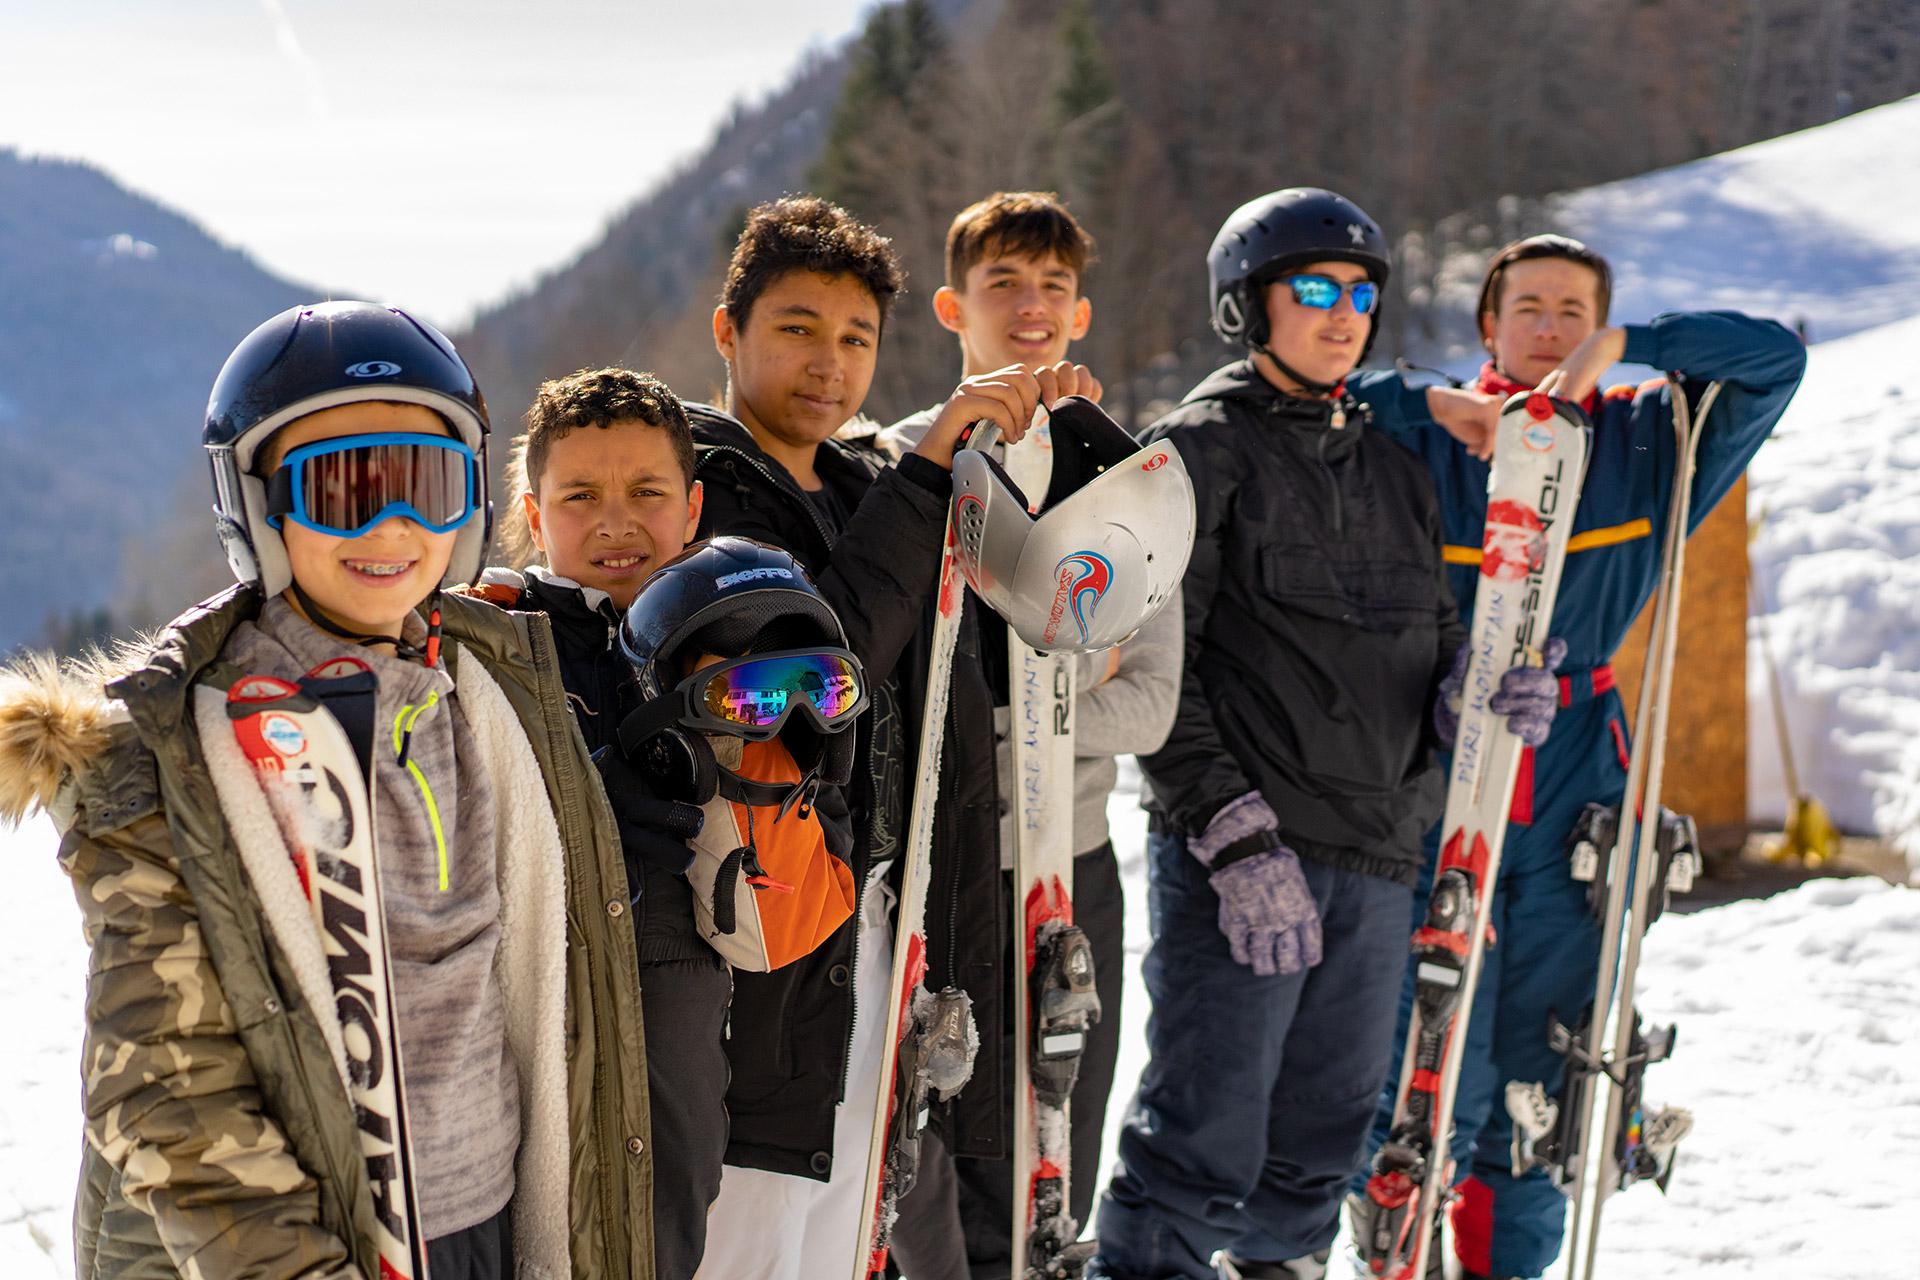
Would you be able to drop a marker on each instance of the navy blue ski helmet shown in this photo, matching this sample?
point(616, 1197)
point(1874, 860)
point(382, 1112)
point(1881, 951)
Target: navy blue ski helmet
point(320, 356)
point(1278, 232)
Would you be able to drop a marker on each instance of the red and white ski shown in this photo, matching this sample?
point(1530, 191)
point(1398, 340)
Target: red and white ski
point(1540, 455)
point(1055, 1001)
point(316, 784)
point(930, 1038)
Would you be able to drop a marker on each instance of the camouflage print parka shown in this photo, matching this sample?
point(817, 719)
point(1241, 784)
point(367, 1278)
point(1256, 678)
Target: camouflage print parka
point(220, 1139)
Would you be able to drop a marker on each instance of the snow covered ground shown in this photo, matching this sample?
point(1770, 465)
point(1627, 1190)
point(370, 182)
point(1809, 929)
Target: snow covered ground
point(1799, 1053)
point(1837, 563)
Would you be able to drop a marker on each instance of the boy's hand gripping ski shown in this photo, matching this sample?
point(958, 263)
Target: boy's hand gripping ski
point(1540, 455)
point(315, 778)
point(1054, 997)
point(929, 1038)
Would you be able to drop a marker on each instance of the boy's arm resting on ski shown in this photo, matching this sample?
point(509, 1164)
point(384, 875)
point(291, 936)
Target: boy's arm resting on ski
point(1131, 712)
point(170, 1096)
point(1406, 413)
point(1759, 364)
point(1193, 774)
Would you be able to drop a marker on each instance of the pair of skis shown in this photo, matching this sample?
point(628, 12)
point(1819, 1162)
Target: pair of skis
point(1539, 461)
point(1608, 1054)
point(929, 1038)
point(1412, 1174)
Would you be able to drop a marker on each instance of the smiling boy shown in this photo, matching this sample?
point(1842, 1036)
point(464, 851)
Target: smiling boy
point(1015, 263)
point(1288, 803)
point(799, 324)
point(1543, 316)
point(227, 1107)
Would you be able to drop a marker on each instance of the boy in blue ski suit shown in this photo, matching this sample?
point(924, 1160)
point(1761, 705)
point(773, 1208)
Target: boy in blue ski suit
point(1542, 315)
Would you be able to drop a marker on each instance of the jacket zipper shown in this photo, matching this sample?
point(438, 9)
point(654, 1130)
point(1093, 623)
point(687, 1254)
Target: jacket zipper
point(1333, 484)
point(788, 488)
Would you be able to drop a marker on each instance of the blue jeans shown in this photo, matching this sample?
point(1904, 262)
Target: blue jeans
point(1252, 1112)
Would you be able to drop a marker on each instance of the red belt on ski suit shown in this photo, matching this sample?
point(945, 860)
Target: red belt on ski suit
point(1575, 686)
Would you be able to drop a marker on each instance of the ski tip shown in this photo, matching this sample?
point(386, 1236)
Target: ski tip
point(1539, 406)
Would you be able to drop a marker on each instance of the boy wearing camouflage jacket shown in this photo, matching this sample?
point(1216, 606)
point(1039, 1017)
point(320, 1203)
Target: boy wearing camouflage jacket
point(224, 1061)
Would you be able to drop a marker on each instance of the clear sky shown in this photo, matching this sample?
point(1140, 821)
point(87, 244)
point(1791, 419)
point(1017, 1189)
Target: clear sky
point(431, 152)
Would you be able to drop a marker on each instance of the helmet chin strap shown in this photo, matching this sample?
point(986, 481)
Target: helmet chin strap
point(1302, 380)
point(428, 653)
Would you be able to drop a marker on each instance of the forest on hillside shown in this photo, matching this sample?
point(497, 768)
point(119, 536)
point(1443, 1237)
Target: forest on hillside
point(1449, 120)
point(1445, 119)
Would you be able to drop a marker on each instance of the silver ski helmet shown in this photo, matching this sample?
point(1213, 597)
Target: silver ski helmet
point(1278, 232)
point(320, 356)
point(732, 597)
point(1087, 563)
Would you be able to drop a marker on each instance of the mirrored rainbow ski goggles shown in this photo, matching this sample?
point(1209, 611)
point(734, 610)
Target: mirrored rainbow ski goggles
point(752, 697)
point(1322, 293)
point(345, 487)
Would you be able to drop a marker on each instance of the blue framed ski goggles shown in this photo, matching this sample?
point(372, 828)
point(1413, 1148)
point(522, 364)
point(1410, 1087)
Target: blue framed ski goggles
point(752, 697)
point(1322, 293)
point(345, 487)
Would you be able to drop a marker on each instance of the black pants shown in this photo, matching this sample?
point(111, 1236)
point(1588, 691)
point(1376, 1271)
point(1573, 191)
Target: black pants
point(957, 1223)
point(483, 1251)
point(685, 989)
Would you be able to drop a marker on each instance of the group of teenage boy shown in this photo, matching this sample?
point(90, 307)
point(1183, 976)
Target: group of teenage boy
point(592, 1090)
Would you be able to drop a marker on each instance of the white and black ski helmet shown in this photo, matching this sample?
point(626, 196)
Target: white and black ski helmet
point(733, 597)
point(1278, 232)
point(320, 356)
point(1092, 548)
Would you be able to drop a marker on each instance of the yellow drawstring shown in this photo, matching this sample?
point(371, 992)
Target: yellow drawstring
point(403, 731)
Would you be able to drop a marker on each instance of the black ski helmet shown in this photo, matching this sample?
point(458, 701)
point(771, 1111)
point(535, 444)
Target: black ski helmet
point(732, 597)
point(1281, 230)
point(315, 357)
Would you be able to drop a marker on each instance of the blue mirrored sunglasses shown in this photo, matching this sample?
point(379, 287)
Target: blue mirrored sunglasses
point(1323, 292)
point(344, 487)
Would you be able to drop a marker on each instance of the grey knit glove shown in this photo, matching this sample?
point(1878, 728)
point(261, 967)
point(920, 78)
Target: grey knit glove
point(1528, 696)
point(1267, 911)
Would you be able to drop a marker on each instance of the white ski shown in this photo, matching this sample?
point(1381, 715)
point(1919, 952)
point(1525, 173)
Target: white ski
point(1596, 1083)
point(1539, 460)
point(1054, 996)
point(317, 787)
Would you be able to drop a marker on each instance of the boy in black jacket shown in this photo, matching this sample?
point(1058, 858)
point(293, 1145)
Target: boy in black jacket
point(799, 325)
point(1289, 802)
point(604, 484)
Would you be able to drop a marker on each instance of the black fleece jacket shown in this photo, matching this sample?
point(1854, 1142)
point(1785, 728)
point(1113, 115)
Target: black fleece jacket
point(1319, 624)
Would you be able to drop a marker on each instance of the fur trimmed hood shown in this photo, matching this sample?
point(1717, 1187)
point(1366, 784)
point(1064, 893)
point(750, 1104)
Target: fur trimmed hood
point(56, 719)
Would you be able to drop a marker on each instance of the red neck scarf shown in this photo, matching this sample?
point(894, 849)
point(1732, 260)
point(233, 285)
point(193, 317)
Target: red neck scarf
point(1496, 383)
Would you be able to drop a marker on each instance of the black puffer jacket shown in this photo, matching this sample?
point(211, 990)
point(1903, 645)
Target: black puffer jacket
point(791, 1028)
point(1319, 625)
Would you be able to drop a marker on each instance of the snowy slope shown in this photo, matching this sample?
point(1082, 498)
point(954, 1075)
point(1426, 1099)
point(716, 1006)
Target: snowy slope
point(1837, 563)
point(1816, 226)
point(43, 974)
